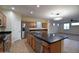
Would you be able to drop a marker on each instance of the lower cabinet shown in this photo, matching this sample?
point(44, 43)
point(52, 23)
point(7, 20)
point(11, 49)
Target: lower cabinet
point(40, 46)
point(1, 47)
point(31, 41)
point(45, 47)
point(51, 48)
point(5, 44)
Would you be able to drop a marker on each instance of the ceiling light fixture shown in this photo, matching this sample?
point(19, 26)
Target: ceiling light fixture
point(57, 14)
point(75, 24)
point(54, 16)
point(13, 8)
point(38, 6)
point(59, 18)
point(31, 12)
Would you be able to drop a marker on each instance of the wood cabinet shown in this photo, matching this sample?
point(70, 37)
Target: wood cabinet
point(44, 25)
point(31, 24)
point(31, 41)
point(44, 33)
point(55, 47)
point(51, 48)
point(1, 47)
point(5, 44)
point(2, 20)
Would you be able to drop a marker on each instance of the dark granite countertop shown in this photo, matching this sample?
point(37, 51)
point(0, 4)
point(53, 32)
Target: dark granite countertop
point(50, 38)
point(5, 32)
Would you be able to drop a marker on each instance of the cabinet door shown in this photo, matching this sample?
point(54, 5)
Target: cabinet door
point(44, 33)
point(1, 47)
point(45, 47)
point(2, 19)
point(30, 24)
point(27, 39)
point(51, 48)
point(55, 47)
point(33, 42)
point(38, 48)
point(44, 25)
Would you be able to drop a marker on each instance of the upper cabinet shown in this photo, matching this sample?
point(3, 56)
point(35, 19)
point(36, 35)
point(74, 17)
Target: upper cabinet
point(2, 20)
point(36, 24)
point(44, 25)
point(31, 24)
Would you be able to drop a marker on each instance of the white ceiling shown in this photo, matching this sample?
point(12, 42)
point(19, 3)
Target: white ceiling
point(44, 11)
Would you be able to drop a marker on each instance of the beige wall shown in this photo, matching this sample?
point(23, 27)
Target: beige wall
point(31, 19)
point(13, 24)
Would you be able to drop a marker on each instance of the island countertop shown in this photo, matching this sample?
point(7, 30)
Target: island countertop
point(50, 38)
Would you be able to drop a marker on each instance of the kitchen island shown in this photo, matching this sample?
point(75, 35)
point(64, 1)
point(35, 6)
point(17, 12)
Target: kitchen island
point(5, 41)
point(45, 43)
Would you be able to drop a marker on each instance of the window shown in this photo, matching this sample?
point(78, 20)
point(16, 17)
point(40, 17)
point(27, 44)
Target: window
point(75, 24)
point(66, 26)
point(38, 25)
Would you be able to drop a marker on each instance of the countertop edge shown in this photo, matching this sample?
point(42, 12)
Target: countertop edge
point(46, 40)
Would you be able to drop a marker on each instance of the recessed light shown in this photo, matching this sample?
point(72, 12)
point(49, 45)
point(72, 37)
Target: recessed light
point(12, 8)
point(31, 12)
point(38, 6)
point(54, 15)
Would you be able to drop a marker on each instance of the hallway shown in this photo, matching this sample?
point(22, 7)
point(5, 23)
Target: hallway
point(20, 47)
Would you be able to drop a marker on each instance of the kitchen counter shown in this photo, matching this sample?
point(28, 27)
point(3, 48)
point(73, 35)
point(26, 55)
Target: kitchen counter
point(37, 29)
point(5, 32)
point(50, 38)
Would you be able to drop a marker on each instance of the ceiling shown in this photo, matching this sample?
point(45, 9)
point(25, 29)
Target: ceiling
point(45, 11)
